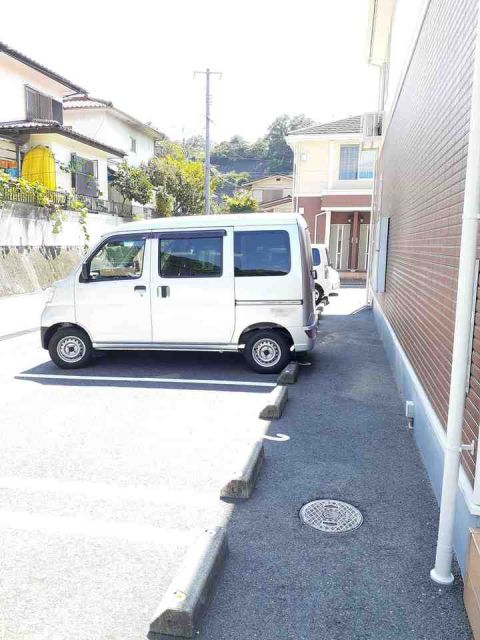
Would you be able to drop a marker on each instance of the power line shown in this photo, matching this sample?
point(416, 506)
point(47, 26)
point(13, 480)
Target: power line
point(208, 101)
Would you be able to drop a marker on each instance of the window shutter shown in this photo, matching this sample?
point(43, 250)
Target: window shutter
point(40, 107)
point(57, 111)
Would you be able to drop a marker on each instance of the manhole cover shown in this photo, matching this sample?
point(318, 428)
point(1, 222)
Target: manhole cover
point(331, 516)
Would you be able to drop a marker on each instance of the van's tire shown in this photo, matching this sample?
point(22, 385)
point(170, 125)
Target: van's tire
point(70, 348)
point(267, 351)
point(319, 294)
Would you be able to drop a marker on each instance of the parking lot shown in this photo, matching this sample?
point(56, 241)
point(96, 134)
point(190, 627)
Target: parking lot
point(107, 474)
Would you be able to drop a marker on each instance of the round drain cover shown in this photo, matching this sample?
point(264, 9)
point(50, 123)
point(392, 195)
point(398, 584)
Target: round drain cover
point(331, 516)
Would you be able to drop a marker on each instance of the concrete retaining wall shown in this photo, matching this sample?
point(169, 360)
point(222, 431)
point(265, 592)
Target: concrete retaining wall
point(28, 269)
point(32, 256)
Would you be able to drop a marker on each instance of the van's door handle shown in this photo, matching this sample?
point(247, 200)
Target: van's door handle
point(140, 288)
point(163, 292)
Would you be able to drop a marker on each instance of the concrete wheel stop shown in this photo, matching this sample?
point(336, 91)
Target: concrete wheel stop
point(276, 403)
point(289, 374)
point(189, 591)
point(243, 482)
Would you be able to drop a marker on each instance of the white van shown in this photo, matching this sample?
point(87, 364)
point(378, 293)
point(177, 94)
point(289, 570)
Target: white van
point(327, 279)
point(240, 282)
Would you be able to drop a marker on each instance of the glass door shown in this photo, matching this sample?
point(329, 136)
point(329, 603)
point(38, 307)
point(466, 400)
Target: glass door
point(340, 245)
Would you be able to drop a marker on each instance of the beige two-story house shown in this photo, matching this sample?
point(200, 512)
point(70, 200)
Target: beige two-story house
point(273, 193)
point(334, 167)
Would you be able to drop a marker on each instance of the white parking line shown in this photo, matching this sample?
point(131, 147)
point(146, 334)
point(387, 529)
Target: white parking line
point(95, 528)
point(101, 490)
point(229, 383)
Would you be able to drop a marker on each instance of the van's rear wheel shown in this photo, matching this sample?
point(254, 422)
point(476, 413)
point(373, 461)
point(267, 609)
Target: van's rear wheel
point(319, 294)
point(70, 348)
point(267, 351)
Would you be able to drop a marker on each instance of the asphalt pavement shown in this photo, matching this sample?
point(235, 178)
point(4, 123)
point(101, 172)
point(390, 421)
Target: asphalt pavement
point(348, 441)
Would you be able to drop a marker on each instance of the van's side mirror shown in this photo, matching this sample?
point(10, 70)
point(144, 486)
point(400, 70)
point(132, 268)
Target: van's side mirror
point(85, 272)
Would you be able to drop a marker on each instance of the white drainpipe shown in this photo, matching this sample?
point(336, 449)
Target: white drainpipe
point(442, 572)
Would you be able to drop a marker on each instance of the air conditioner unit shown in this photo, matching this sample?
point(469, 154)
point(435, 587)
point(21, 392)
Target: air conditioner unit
point(372, 124)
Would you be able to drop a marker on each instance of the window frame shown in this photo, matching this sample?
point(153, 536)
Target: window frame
point(52, 100)
point(360, 151)
point(127, 237)
point(190, 235)
point(74, 157)
point(263, 275)
point(133, 144)
point(373, 164)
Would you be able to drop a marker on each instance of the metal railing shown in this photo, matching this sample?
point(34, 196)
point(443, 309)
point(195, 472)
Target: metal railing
point(10, 193)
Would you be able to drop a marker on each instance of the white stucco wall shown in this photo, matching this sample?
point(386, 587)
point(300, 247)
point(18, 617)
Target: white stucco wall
point(104, 125)
point(14, 76)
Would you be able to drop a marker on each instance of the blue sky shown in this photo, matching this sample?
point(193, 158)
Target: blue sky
point(306, 56)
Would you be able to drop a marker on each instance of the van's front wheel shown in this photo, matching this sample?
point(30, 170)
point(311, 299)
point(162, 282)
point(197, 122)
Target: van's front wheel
point(70, 348)
point(267, 351)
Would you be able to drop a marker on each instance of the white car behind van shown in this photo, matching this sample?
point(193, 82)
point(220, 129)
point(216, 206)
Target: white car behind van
point(240, 282)
point(327, 279)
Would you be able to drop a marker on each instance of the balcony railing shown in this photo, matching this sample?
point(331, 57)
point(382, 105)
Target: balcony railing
point(94, 205)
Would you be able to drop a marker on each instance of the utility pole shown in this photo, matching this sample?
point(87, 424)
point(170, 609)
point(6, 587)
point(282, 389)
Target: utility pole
point(208, 100)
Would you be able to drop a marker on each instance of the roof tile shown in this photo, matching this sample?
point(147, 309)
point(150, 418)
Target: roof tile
point(347, 125)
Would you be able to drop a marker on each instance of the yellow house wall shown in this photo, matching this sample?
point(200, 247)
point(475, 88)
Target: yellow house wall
point(320, 170)
point(311, 174)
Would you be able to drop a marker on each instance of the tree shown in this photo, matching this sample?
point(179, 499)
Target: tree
point(271, 148)
point(279, 155)
point(232, 180)
point(241, 203)
point(181, 179)
point(237, 148)
point(164, 203)
point(194, 148)
point(133, 184)
point(167, 147)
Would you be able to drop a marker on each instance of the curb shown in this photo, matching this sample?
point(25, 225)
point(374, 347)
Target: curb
point(289, 374)
point(243, 482)
point(189, 590)
point(277, 401)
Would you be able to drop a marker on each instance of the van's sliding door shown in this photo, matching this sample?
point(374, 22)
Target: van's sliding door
point(193, 297)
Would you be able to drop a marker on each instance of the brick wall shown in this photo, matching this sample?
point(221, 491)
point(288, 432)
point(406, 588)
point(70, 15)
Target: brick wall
point(422, 173)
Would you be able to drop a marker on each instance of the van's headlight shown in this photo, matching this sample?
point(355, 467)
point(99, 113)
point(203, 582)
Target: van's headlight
point(49, 294)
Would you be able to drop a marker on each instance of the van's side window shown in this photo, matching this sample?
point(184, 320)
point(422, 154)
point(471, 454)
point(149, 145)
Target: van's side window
point(118, 258)
point(262, 253)
point(191, 257)
point(317, 260)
